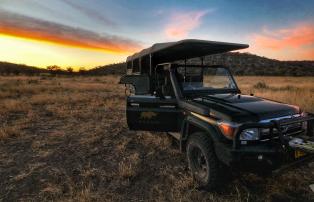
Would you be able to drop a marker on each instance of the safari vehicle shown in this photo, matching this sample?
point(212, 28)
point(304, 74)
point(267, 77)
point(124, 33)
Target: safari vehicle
point(202, 107)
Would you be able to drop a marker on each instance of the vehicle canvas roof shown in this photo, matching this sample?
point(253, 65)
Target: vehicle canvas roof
point(185, 49)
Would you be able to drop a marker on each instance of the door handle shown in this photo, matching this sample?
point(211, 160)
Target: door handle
point(135, 104)
point(167, 106)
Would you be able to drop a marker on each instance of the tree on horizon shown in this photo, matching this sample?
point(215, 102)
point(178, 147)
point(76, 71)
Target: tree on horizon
point(69, 69)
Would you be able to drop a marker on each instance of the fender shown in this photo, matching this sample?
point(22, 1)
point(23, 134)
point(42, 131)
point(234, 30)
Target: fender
point(220, 144)
point(209, 129)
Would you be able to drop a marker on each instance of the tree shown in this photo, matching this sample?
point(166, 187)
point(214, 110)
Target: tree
point(69, 70)
point(53, 68)
point(82, 70)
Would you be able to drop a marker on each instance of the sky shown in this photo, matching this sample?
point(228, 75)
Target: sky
point(89, 33)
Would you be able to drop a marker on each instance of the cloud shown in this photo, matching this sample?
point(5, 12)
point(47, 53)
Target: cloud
point(90, 12)
point(182, 23)
point(27, 27)
point(296, 41)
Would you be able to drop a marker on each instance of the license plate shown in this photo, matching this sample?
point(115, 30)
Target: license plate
point(299, 154)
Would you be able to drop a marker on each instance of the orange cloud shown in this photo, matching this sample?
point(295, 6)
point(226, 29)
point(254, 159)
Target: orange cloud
point(27, 27)
point(182, 23)
point(296, 42)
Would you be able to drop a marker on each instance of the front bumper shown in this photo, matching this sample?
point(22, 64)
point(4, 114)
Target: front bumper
point(266, 159)
point(265, 156)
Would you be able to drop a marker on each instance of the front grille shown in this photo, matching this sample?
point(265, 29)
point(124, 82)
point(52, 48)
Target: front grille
point(287, 130)
point(291, 128)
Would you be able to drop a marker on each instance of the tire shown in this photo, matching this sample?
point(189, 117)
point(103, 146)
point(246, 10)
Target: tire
point(203, 163)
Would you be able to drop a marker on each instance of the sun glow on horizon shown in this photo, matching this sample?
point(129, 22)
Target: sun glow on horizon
point(42, 53)
point(59, 42)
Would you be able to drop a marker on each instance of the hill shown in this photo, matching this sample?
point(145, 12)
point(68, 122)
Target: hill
point(7, 68)
point(112, 69)
point(239, 63)
point(249, 64)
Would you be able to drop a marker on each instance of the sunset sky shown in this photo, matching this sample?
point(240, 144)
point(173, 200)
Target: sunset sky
point(89, 33)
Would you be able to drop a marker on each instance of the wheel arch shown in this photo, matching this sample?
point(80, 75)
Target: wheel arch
point(191, 125)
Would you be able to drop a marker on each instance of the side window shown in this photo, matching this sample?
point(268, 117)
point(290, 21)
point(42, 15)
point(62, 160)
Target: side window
point(129, 67)
point(167, 88)
point(190, 77)
point(140, 84)
point(163, 83)
point(136, 66)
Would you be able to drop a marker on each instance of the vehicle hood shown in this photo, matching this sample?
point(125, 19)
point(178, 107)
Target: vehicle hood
point(244, 108)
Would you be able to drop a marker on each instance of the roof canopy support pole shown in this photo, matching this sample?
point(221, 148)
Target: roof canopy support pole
point(140, 64)
point(184, 69)
point(202, 63)
point(150, 64)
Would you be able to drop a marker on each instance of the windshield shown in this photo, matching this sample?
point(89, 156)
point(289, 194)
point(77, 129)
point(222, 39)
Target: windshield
point(205, 79)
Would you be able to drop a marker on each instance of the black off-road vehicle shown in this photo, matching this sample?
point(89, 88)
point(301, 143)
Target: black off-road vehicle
point(203, 108)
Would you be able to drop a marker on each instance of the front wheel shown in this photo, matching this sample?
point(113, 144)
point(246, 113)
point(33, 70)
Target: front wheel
point(203, 162)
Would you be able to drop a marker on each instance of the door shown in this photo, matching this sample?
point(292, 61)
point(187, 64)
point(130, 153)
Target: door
point(157, 112)
point(152, 113)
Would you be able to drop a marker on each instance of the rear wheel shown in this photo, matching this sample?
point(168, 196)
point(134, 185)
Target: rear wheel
point(203, 162)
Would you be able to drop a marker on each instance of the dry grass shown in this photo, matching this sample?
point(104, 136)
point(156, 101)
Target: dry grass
point(293, 90)
point(66, 139)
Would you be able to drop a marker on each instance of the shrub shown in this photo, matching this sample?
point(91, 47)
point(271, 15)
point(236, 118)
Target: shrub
point(261, 85)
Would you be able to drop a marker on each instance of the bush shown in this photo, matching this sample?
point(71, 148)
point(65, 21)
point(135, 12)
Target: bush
point(261, 85)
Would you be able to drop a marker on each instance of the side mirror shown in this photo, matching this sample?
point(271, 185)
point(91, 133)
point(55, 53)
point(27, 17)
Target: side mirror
point(139, 82)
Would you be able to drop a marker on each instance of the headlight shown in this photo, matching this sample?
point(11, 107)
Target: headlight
point(250, 134)
point(228, 130)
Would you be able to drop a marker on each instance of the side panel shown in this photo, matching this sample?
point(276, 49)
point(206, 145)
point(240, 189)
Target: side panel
point(221, 146)
point(206, 127)
point(153, 114)
point(139, 82)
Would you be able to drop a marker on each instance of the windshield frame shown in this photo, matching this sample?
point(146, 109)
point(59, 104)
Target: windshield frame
point(208, 91)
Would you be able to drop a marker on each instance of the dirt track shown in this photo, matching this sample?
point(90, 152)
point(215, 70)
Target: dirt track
point(66, 139)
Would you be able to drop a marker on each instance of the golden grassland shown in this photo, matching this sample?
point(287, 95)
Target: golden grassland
point(293, 90)
point(66, 139)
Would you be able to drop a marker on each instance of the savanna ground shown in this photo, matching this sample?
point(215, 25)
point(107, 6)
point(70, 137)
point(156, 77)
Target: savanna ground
point(66, 139)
